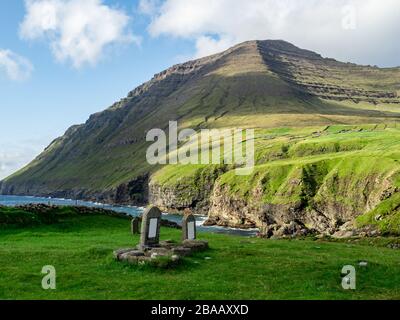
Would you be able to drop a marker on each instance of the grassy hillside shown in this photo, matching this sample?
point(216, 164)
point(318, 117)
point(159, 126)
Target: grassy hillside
point(339, 172)
point(258, 84)
point(80, 248)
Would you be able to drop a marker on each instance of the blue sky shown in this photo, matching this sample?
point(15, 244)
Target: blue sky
point(35, 111)
point(54, 74)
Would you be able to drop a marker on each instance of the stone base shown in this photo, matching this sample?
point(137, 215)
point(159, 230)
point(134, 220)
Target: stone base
point(195, 245)
point(167, 249)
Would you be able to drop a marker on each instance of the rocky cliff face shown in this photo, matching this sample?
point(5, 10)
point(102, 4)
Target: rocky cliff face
point(134, 192)
point(177, 199)
point(328, 78)
point(331, 208)
point(319, 183)
point(188, 193)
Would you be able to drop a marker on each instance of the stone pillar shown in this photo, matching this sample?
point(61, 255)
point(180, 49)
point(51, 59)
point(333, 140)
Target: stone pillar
point(150, 234)
point(189, 227)
point(135, 226)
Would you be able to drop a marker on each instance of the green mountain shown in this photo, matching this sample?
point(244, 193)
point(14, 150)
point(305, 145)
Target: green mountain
point(325, 131)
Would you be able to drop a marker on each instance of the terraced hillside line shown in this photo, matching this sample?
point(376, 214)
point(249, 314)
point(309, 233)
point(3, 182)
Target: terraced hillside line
point(326, 78)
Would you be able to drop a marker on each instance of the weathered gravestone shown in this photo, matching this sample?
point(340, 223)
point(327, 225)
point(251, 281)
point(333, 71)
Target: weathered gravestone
point(150, 235)
point(150, 249)
point(189, 227)
point(135, 226)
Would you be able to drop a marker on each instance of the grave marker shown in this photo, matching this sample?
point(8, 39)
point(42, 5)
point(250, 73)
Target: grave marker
point(150, 235)
point(189, 227)
point(135, 226)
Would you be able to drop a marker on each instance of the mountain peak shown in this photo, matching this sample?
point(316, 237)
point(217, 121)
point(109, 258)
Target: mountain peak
point(258, 84)
point(288, 48)
point(304, 70)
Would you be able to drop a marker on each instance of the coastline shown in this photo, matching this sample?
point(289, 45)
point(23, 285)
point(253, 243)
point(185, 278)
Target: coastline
point(15, 200)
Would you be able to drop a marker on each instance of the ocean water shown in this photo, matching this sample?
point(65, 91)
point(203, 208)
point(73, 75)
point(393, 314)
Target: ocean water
point(131, 210)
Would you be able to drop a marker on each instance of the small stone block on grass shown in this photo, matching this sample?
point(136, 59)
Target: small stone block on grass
point(120, 252)
point(195, 245)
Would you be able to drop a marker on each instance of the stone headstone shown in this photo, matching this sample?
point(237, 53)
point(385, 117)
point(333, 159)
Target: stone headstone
point(135, 226)
point(150, 235)
point(189, 227)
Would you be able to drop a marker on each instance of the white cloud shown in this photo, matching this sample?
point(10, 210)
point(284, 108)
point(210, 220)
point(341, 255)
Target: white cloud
point(364, 31)
point(16, 67)
point(18, 154)
point(206, 45)
point(78, 31)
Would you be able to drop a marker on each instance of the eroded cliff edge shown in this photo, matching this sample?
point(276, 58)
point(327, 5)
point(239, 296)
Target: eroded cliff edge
point(309, 185)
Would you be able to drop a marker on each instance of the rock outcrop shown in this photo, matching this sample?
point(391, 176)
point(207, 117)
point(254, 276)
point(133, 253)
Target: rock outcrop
point(321, 198)
point(325, 78)
point(193, 193)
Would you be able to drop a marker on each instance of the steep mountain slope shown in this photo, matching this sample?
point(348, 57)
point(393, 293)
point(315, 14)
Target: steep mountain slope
point(260, 84)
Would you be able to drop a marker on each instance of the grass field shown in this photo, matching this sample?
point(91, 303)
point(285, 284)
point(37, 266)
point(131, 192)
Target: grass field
point(80, 248)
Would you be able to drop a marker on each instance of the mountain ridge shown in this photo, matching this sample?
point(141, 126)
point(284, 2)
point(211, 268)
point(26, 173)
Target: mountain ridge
point(253, 83)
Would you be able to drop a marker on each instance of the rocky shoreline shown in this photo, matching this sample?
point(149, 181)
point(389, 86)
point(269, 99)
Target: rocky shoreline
point(271, 230)
point(134, 192)
point(225, 210)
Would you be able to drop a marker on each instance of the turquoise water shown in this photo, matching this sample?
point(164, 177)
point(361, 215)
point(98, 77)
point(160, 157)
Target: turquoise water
point(133, 211)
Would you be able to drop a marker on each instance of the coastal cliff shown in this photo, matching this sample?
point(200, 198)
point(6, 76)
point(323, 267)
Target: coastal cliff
point(314, 185)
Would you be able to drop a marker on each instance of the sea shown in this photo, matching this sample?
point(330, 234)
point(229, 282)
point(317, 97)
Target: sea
point(130, 210)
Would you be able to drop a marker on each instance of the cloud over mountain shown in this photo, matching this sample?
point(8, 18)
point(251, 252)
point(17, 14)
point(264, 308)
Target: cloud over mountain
point(78, 31)
point(359, 30)
point(17, 154)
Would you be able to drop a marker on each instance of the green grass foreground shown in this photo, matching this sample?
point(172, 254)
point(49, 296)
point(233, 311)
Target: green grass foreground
point(80, 248)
